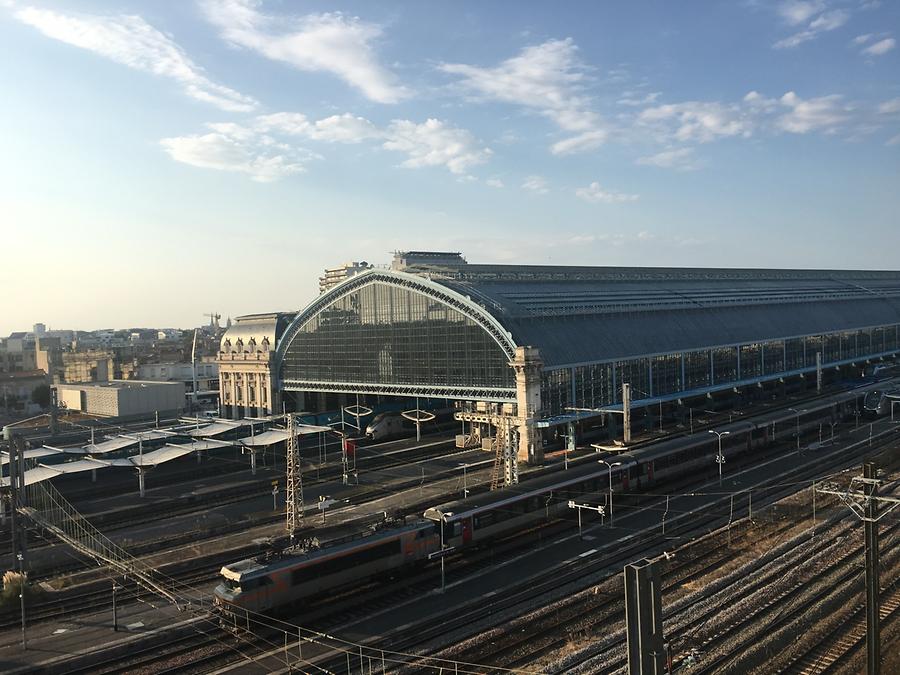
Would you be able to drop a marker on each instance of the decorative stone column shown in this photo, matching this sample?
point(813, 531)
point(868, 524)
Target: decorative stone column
point(528, 366)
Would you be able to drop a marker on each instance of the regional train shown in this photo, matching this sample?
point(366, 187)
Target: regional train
point(880, 401)
point(265, 585)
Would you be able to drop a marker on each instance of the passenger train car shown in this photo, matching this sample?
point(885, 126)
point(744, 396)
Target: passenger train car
point(263, 586)
point(481, 518)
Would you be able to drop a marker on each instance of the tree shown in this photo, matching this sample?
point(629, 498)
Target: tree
point(41, 395)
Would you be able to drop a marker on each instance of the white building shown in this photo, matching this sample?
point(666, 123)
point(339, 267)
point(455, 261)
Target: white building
point(123, 398)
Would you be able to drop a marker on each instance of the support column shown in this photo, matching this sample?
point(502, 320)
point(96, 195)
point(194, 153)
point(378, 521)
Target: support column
point(643, 619)
point(528, 366)
point(873, 619)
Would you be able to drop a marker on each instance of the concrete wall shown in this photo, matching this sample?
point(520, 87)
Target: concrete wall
point(125, 399)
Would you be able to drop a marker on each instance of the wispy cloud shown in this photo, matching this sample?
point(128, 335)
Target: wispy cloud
point(131, 41)
point(681, 159)
point(824, 113)
point(697, 121)
point(328, 42)
point(494, 183)
point(795, 12)
point(434, 143)
point(548, 78)
point(537, 184)
point(823, 21)
point(266, 148)
point(880, 48)
point(235, 148)
point(890, 107)
point(596, 194)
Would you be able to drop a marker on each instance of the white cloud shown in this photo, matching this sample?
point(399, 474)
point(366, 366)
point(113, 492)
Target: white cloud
point(697, 121)
point(880, 47)
point(629, 99)
point(895, 140)
point(822, 113)
point(537, 184)
point(231, 147)
point(345, 128)
point(494, 183)
point(796, 12)
point(890, 107)
point(580, 143)
point(131, 41)
point(681, 159)
point(265, 147)
point(861, 39)
point(823, 23)
point(594, 193)
point(547, 78)
point(433, 143)
point(314, 43)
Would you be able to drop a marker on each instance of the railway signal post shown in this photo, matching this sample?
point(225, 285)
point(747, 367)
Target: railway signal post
point(862, 497)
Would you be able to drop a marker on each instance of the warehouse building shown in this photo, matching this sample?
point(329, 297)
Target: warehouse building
point(533, 342)
point(123, 398)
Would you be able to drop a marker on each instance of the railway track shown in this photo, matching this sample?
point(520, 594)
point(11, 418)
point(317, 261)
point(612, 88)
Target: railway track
point(538, 634)
point(835, 648)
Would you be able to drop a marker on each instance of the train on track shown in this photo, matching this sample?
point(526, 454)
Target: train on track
point(879, 402)
point(285, 579)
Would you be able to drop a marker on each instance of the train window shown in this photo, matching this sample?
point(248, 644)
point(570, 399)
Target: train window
point(421, 534)
point(634, 472)
point(484, 520)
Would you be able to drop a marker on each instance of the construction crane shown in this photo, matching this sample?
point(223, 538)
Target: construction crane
point(213, 319)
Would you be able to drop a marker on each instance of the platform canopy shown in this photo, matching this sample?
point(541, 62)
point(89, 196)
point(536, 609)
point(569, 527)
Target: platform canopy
point(273, 436)
point(123, 441)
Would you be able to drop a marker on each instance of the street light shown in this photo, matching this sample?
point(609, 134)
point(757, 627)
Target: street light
point(798, 412)
point(465, 482)
point(720, 458)
point(609, 468)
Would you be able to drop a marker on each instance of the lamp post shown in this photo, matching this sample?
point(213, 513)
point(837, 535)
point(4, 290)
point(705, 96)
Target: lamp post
point(465, 482)
point(720, 458)
point(794, 410)
point(609, 468)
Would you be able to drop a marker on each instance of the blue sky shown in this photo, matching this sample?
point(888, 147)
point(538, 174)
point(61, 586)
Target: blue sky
point(161, 160)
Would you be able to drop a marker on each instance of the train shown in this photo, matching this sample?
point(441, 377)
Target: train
point(287, 579)
point(388, 425)
point(879, 402)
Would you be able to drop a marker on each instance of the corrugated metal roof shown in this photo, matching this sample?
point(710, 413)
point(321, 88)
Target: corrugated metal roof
point(583, 314)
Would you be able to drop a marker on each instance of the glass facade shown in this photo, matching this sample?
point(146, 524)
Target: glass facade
point(387, 335)
point(600, 384)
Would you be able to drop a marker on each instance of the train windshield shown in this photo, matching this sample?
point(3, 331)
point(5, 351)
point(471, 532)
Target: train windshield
point(231, 584)
point(873, 398)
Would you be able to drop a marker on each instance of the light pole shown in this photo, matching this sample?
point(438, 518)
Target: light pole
point(720, 458)
point(465, 482)
point(798, 412)
point(609, 468)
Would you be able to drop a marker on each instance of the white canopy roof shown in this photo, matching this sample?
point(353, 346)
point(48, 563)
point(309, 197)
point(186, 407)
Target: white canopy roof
point(273, 436)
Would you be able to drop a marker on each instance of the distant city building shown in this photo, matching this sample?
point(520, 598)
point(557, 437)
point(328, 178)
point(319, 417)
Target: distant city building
point(93, 365)
point(406, 259)
point(17, 387)
point(246, 358)
point(39, 329)
point(123, 398)
point(207, 373)
point(336, 275)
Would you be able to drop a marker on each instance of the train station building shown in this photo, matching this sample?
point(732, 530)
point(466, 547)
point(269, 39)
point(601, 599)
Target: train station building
point(530, 344)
